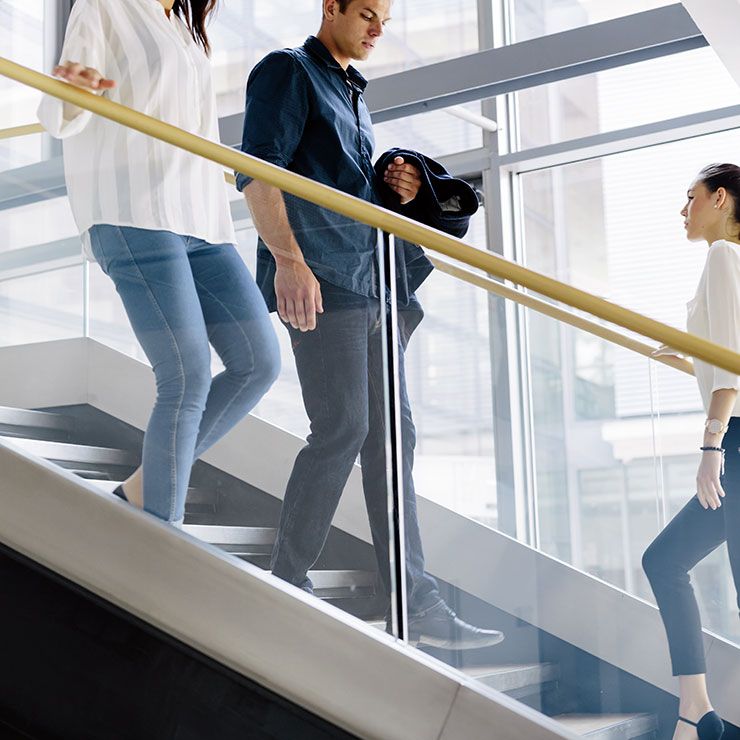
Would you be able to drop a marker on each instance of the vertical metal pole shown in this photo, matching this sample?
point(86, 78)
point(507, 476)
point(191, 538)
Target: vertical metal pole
point(662, 503)
point(507, 373)
point(56, 15)
point(624, 515)
point(85, 298)
point(393, 442)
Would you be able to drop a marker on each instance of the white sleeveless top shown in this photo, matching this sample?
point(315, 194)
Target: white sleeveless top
point(116, 175)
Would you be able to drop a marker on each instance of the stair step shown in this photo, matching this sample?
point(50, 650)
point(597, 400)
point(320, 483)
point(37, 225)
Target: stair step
point(71, 453)
point(221, 535)
point(92, 475)
point(93, 472)
point(342, 578)
point(20, 423)
point(35, 419)
point(515, 678)
point(106, 485)
point(342, 584)
point(199, 510)
point(610, 726)
point(256, 542)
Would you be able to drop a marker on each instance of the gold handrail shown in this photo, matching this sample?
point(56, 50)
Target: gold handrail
point(492, 286)
point(25, 130)
point(360, 210)
point(566, 317)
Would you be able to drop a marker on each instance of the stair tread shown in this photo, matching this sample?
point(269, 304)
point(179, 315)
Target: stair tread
point(106, 485)
point(231, 535)
point(341, 578)
point(243, 535)
point(600, 725)
point(503, 677)
point(487, 670)
point(39, 419)
point(70, 452)
point(546, 671)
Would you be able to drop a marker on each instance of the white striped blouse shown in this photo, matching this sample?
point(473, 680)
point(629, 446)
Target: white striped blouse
point(116, 175)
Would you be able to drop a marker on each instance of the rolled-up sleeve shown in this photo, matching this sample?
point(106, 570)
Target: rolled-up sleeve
point(276, 111)
point(84, 43)
point(723, 306)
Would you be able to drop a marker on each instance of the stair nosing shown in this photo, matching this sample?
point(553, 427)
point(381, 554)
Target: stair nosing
point(519, 676)
point(619, 723)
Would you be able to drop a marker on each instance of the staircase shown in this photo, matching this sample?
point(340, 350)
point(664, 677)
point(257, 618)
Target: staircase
point(68, 440)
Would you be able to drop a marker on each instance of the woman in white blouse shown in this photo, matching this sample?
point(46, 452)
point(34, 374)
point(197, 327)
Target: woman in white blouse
point(157, 221)
point(712, 517)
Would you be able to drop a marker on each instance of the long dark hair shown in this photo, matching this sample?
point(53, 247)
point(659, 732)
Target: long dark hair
point(195, 14)
point(727, 176)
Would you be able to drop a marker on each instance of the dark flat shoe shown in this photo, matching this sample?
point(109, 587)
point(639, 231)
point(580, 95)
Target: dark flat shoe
point(440, 627)
point(709, 727)
point(118, 491)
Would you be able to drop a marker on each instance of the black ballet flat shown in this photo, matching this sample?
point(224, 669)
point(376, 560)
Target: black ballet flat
point(118, 491)
point(709, 727)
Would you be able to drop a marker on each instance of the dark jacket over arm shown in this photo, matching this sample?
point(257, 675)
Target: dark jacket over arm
point(444, 202)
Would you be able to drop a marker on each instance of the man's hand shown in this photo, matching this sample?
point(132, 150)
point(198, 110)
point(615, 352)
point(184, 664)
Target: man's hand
point(85, 77)
point(298, 294)
point(297, 290)
point(708, 488)
point(404, 179)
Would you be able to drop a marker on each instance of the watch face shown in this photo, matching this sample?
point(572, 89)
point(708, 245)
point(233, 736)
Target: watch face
point(714, 426)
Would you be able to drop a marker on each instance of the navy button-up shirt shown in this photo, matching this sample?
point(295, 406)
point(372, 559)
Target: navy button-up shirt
point(306, 114)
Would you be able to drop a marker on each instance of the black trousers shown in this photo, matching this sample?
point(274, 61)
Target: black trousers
point(689, 537)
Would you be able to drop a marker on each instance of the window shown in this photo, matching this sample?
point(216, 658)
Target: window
point(21, 39)
point(420, 32)
point(636, 94)
point(534, 18)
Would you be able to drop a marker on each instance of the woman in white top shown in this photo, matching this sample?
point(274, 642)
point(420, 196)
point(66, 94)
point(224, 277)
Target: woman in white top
point(712, 517)
point(157, 220)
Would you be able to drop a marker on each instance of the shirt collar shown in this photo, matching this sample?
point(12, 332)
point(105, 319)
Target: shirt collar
point(317, 50)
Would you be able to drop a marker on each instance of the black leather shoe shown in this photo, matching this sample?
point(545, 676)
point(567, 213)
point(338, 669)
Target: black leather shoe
point(440, 627)
point(709, 727)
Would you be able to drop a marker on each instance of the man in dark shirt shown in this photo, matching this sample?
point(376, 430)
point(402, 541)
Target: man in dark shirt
point(305, 112)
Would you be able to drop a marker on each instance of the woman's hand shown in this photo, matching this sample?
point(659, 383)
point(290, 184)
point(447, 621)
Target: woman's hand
point(708, 488)
point(85, 77)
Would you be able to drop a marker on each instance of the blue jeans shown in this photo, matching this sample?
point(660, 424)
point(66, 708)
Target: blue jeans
point(340, 367)
point(182, 293)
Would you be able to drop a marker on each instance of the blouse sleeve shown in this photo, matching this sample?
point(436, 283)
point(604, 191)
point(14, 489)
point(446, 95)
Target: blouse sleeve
point(84, 43)
point(723, 306)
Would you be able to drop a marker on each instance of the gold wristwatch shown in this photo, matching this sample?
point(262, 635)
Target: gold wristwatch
point(714, 426)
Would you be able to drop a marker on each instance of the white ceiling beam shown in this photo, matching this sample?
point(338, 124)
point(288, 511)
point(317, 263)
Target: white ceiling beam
point(719, 21)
